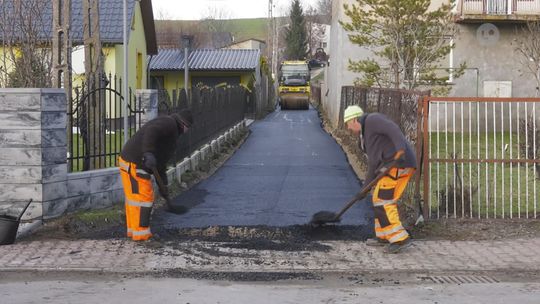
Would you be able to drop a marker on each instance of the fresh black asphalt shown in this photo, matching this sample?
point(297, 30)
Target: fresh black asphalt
point(288, 169)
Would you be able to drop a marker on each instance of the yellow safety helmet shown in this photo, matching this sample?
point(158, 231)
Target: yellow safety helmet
point(352, 112)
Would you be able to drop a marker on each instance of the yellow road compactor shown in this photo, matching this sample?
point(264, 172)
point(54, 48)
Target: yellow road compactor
point(294, 90)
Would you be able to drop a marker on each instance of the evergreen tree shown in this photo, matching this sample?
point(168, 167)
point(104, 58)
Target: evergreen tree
point(410, 42)
point(296, 34)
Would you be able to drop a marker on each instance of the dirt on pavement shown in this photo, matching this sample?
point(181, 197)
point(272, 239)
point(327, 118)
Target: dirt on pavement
point(109, 223)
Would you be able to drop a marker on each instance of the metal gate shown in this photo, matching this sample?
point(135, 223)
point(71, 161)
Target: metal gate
point(95, 126)
point(480, 157)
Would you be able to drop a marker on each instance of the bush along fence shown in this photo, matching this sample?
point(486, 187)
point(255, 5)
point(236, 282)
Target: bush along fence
point(34, 140)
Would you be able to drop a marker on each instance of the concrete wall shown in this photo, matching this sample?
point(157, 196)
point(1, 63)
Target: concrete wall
point(342, 50)
point(496, 61)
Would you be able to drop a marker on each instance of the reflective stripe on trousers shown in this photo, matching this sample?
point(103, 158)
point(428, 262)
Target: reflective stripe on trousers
point(385, 197)
point(139, 193)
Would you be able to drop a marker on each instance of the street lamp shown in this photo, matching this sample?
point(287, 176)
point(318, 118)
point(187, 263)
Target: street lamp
point(186, 43)
point(125, 93)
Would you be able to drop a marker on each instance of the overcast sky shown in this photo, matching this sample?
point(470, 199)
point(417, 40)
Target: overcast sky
point(197, 9)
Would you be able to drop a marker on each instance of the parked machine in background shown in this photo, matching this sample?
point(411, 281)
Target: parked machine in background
point(294, 87)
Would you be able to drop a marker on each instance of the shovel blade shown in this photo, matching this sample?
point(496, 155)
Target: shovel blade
point(324, 217)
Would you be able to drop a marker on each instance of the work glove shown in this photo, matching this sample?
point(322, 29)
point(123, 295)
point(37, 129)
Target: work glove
point(149, 160)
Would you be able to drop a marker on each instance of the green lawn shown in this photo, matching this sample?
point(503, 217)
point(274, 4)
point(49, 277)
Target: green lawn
point(113, 145)
point(489, 190)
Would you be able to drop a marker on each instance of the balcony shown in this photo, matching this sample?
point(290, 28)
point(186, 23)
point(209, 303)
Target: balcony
point(478, 11)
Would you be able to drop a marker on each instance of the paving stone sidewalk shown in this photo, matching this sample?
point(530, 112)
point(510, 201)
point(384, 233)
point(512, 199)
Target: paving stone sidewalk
point(340, 256)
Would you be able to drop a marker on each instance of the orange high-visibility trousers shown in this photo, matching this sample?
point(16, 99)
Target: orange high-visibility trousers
point(139, 193)
point(385, 197)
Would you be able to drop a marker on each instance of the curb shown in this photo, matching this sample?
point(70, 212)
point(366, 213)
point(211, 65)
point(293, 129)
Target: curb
point(206, 152)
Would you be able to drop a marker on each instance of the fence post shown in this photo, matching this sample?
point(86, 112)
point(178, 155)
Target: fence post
point(148, 100)
point(33, 145)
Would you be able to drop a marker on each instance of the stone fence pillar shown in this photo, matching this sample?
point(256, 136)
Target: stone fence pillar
point(33, 150)
point(149, 103)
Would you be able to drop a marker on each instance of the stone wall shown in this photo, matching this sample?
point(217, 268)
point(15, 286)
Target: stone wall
point(33, 150)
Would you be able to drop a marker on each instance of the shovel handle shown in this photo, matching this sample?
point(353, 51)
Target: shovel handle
point(24, 210)
point(367, 188)
point(160, 183)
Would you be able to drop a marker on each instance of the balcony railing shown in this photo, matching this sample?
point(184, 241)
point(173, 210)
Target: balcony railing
point(499, 9)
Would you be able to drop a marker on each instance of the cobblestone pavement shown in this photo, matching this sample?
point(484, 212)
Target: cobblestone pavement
point(331, 256)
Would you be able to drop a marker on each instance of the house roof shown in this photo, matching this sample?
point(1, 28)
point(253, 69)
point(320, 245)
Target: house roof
point(206, 60)
point(111, 26)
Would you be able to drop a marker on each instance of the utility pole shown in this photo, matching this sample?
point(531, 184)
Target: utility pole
point(186, 43)
point(94, 104)
point(61, 46)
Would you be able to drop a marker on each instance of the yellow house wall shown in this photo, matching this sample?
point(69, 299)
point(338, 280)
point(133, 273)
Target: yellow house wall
point(175, 79)
point(136, 44)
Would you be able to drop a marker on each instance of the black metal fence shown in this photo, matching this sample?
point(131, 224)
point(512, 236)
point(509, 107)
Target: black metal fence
point(214, 110)
point(96, 123)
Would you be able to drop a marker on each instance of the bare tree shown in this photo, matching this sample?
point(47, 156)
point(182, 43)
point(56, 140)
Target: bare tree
point(315, 27)
point(528, 47)
point(324, 10)
point(163, 14)
point(26, 57)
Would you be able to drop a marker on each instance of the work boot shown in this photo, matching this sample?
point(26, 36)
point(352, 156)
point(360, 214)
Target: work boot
point(376, 242)
point(398, 246)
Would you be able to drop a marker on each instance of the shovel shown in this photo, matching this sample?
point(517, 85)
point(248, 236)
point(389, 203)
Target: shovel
point(325, 217)
point(170, 207)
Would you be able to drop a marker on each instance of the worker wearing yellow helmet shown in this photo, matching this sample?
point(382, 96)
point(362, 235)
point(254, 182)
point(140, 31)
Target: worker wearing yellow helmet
point(381, 139)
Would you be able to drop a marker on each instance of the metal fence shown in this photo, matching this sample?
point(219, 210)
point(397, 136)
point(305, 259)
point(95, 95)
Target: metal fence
point(95, 123)
point(214, 110)
point(481, 157)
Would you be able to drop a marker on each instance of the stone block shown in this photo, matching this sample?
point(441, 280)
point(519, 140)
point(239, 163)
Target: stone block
point(205, 152)
point(171, 175)
point(195, 159)
point(54, 191)
point(214, 145)
point(221, 140)
point(20, 120)
point(53, 120)
point(53, 100)
point(20, 101)
point(117, 196)
point(20, 156)
point(54, 208)
point(81, 202)
point(52, 156)
point(181, 168)
point(78, 186)
point(107, 181)
point(101, 200)
point(54, 173)
point(34, 211)
point(20, 138)
point(53, 138)
point(20, 174)
point(21, 192)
